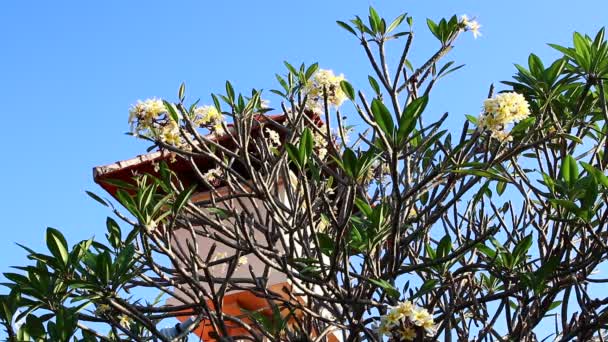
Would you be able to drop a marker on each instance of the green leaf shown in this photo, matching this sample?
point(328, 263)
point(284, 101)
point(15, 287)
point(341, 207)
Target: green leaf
point(500, 187)
point(433, 27)
point(57, 245)
point(293, 153)
point(554, 305)
point(311, 70)
point(444, 246)
point(350, 161)
point(182, 91)
point(383, 118)
point(521, 249)
point(410, 114)
point(216, 103)
point(487, 251)
point(565, 204)
point(569, 170)
point(348, 89)
point(396, 22)
point(374, 20)
point(549, 182)
point(114, 233)
point(427, 287)
point(591, 193)
point(326, 244)
point(390, 290)
point(521, 127)
point(171, 110)
point(430, 251)
point(365, 208)
point(221, 213)
point(374, 84)
point(543, 273)
point(536, 65)
point(182, 199)
point(596, 173)
point(230, 91)
point(306, 145)
point(34, 326)
point(346, 27)
point(97, 198)
point(483, 173)
point(471, 118)
point(290, 68)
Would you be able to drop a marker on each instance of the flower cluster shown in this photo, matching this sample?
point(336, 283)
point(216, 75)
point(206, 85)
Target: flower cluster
point(403, 322)
point(325, 80)
point(320, 143)
point(213, 175)
point(125, 321)
point(470, 25)
point(273, 139)
point(209, 117)
point(150, 118)
point(502, 110)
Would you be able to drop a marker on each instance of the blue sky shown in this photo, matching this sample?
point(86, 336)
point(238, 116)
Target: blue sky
point(69, 71)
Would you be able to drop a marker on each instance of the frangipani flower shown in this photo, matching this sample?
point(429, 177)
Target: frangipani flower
point(404, 320)
point(502, 110)
point(470, 25)
point(212, 176)
point(151, 118)
point(325, 80)
point(209, 117)
point(274, 139)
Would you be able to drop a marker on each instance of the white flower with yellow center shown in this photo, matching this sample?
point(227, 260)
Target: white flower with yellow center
point(502, 136)
point(422, 318)
point(210, 117)
point(170, 134)
point(274, 139)
point(474, 26)
point(383, 329)
point(501, 111)
point(393, 317)
point(325, 81)
point(320, 144)
point(407, 333)
point(147, 109)
point(124, 321)
point(470, 25)
point(144, 115)
point(406, 308)
point(213, 175)
point(464, 20)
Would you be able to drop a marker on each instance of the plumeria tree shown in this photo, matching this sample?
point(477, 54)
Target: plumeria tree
point(400, 230)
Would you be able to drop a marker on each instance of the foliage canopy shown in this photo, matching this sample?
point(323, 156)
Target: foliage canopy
point(395, 233)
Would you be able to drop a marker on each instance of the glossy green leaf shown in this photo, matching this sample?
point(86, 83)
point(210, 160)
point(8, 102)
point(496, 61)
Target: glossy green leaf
point(97, 198)
point(348, 89)
point(410, 115)
point(569, 170)
point(346, 27)
point(390, 290)
point(383, 117)
point(57, 245)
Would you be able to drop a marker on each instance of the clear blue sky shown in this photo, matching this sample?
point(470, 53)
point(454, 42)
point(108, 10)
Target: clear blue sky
point(69, 71)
